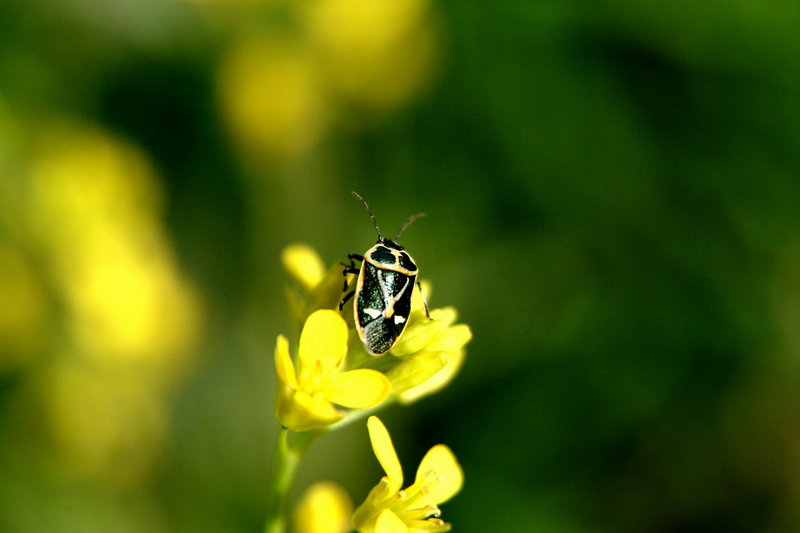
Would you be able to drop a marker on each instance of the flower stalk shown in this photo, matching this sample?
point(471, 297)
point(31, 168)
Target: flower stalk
point(288, 454)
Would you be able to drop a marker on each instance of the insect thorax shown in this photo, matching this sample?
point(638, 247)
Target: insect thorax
point(388, 255)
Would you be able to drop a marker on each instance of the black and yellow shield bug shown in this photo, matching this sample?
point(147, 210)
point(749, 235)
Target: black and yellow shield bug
point(383, 289)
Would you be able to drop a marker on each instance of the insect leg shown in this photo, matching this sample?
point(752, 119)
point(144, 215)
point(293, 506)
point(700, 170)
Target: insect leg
point(348, 270)
point(424, 301)
point(351, 268)
point(345, 298)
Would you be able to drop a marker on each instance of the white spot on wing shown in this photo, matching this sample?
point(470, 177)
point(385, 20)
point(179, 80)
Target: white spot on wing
point(374, 313)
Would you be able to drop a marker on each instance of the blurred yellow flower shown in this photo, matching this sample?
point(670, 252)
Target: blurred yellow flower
point(306, 395)
point(375, 53)
point(282, 88)
point(130, 319)
point(304, 264)
point(325, 507)
point(95, 216)
point(271, 96)
point(391, 509)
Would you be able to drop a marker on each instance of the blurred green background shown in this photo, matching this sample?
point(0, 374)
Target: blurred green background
point(612, 195)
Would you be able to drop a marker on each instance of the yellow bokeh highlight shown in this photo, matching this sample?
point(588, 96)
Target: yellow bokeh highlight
point(332, 63)
point(130, 304)
point(271, 96)
point(85, 182)
point(95, 214)
point(303, 264)
point(325, 507)
point(375, 53)
point(128, 321)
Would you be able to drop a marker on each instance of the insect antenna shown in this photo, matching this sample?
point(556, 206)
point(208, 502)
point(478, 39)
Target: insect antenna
point(408, 222)
point(369, 211)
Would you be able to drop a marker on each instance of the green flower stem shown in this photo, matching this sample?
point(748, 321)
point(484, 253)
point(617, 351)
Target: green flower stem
point(288, 455)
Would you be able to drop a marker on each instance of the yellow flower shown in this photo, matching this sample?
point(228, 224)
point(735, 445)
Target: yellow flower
point(312, 287)
point(324, 508)
point(430, 351)
point(306, 395)
point(376, 53)
point(390, 509)
point(127, 319)
point(271, 95)
point(304, 264)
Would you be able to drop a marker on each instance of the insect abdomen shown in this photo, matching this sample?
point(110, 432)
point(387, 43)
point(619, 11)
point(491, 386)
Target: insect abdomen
point(379, 335)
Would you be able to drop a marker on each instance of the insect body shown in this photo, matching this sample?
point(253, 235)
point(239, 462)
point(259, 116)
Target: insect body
point(383, 290)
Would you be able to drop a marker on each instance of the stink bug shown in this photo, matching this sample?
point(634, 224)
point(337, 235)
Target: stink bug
point(383, 290)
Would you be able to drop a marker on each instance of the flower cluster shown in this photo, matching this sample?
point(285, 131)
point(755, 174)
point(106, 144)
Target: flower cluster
point(424, 359)
point(332, 380)
point(283, 88)
point(388, 508)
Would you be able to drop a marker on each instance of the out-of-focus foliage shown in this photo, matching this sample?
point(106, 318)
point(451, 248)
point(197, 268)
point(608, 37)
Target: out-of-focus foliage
point(612, 192)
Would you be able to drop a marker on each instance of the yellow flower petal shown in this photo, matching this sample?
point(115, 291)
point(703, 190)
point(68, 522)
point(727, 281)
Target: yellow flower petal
point(452, 338)
point(388, 522)
point(384, 451)
point(358, 389)
point(437, 381)
point(324, 508)
point(442, 463)
point(324, 339)
point(415, 370)
point(444, 315)
point(300, 411)
point(303, 263)
point(283, 362)
point(365, 515)
point(421, 332)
